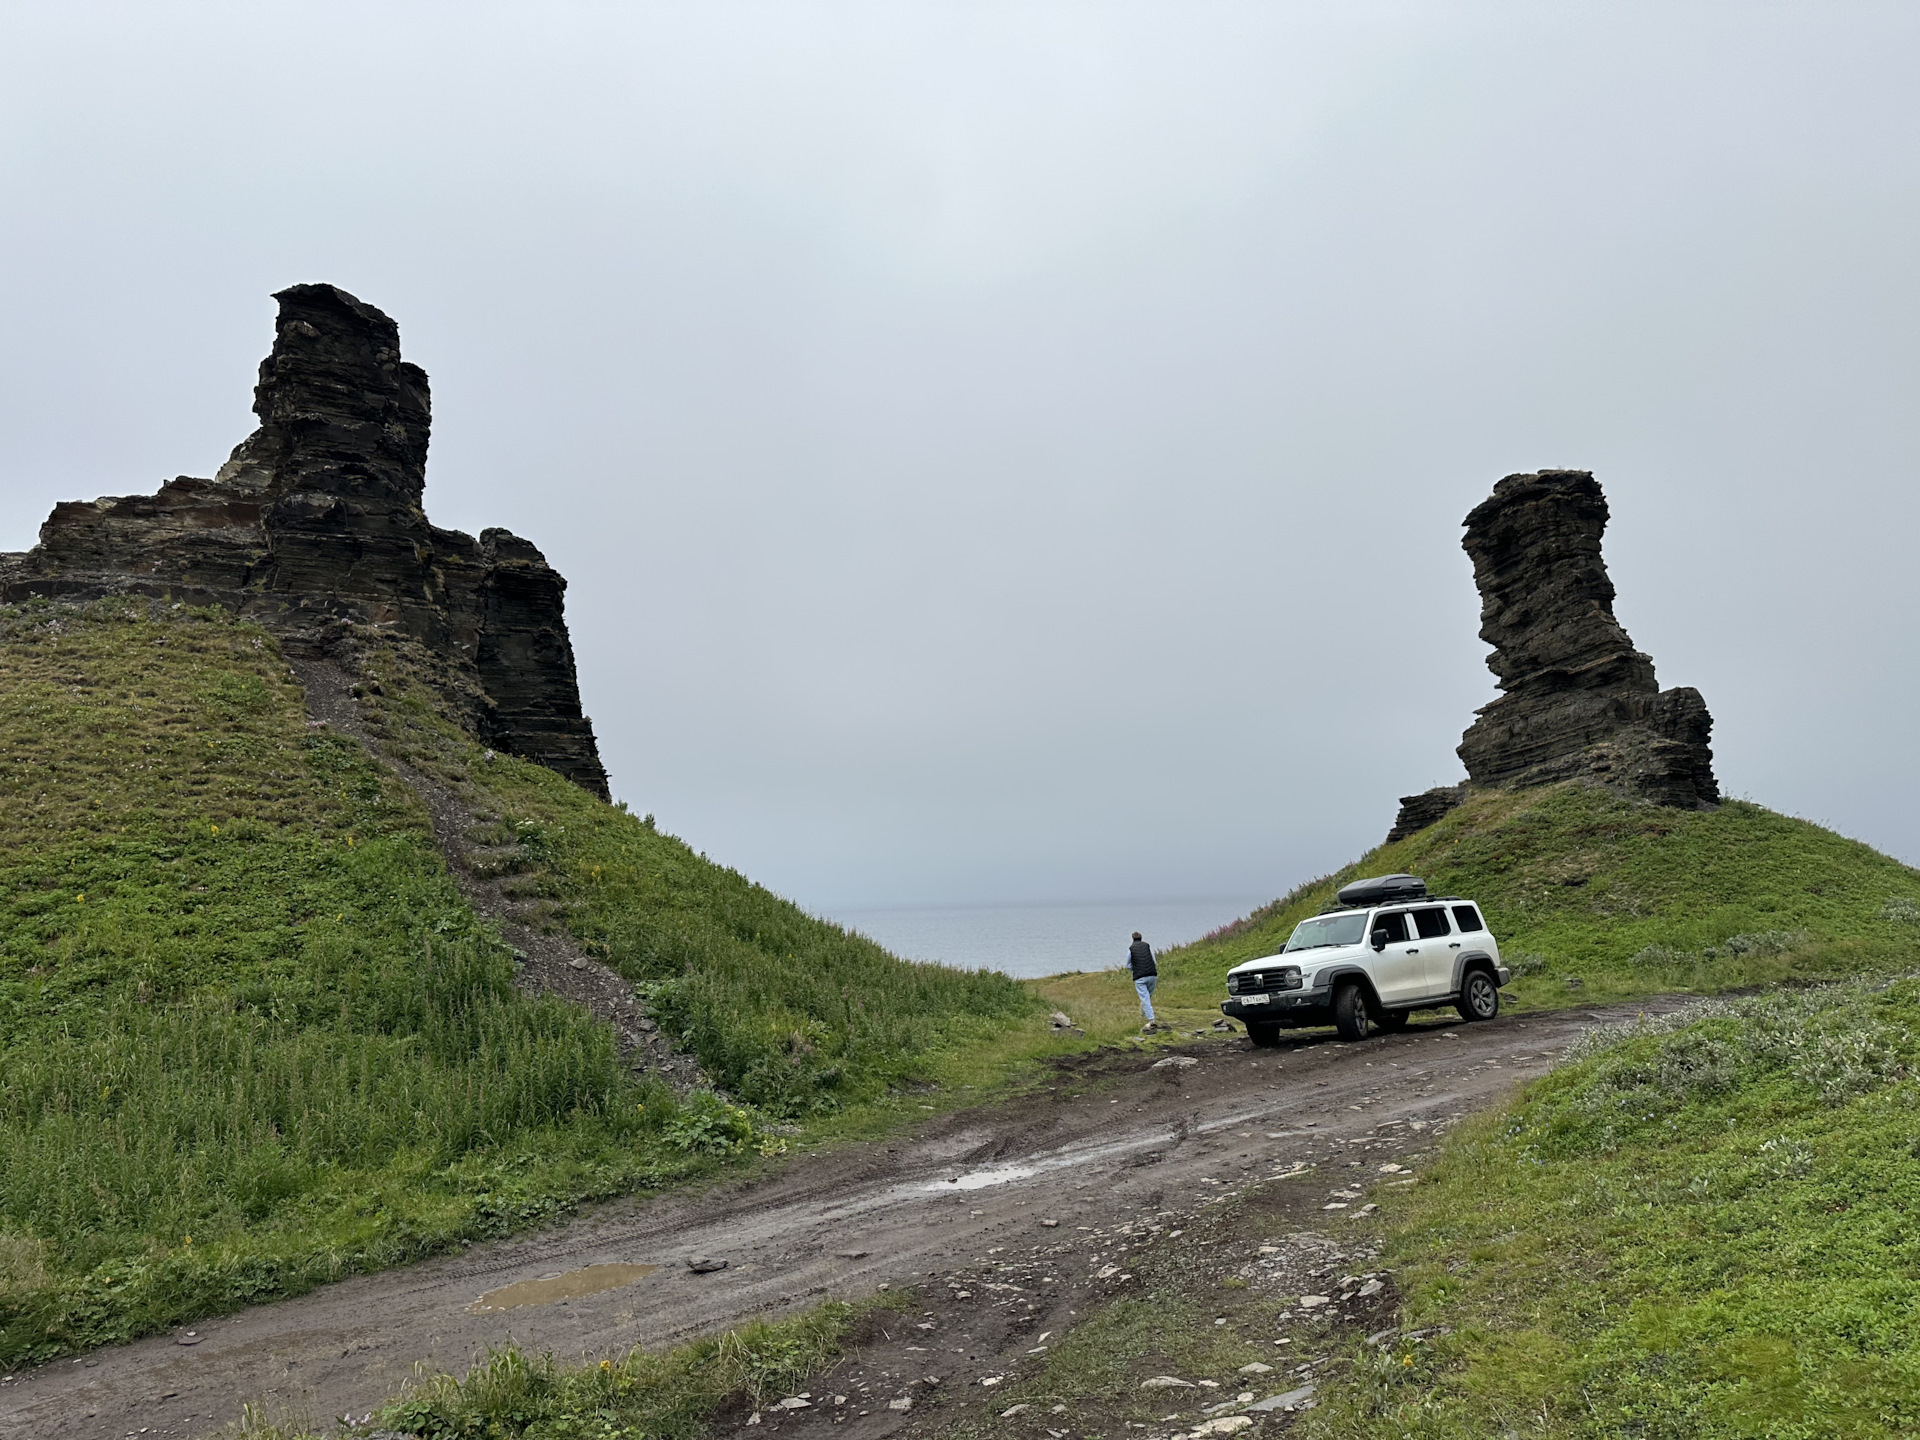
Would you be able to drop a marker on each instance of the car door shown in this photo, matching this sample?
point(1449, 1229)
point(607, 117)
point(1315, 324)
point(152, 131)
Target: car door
point(1438, 945)
point(1399, 971)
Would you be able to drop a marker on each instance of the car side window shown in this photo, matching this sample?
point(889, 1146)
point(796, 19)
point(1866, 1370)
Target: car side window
point(1467, 918)
point(1432, 923)
point(1394, 924)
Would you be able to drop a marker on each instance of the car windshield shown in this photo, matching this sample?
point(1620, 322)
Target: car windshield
point(1328, 930)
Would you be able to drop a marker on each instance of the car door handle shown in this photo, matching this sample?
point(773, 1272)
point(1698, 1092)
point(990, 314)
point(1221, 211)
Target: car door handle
point(1453, 945)
point(1414, 951)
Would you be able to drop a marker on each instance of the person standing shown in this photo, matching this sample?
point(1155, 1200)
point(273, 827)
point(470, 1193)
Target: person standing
point(1145, 975)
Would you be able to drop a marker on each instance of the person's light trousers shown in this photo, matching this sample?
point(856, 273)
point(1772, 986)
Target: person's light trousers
point(1144, 986)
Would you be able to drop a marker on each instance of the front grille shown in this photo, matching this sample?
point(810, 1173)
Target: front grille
point(1255, 982)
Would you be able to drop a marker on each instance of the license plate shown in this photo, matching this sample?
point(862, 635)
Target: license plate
point(1255, 999)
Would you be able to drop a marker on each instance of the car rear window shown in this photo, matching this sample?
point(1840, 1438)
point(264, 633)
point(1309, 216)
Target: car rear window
point(1432, 923)
point(1467, 918)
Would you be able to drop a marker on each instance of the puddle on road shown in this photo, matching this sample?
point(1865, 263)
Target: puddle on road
point(588, 1280)
point(981, 1179)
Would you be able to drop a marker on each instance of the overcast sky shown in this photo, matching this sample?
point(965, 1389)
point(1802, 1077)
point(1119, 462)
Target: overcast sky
point(1017, 451)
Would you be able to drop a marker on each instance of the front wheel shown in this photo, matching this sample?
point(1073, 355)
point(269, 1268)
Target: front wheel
point(1265, 1036)
point(1350, 1016)
point(1479, 997)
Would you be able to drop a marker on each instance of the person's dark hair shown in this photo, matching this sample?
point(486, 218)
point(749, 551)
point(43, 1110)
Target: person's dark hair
point(1136, 934)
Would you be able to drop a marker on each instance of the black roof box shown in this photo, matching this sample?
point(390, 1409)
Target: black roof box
point(1383, 889)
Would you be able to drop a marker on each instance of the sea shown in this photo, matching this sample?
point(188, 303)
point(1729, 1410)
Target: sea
point(1032, 940)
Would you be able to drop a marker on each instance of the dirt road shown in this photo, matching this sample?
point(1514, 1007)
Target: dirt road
point(1108, 1134)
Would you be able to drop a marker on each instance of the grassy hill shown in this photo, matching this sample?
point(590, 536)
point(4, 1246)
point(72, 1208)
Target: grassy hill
point(1596, 898)
point(789, 1013)
point(1698, 1227)
point(253, 1038)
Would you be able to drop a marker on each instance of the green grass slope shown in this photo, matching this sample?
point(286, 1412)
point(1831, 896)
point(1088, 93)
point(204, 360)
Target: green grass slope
point(1594, 897)
point(1700, 1228)
point(252, 1038)
point(789, 1013)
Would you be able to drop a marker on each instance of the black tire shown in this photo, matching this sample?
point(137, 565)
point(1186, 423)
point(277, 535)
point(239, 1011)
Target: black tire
point(1479, 997)
point(1350, 1015)
point(1265, 1036)
point(1392, 1019)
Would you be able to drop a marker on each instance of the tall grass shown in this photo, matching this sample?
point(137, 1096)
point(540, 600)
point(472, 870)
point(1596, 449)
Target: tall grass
point(792, 1014)
point(206, 1115)
point(253, 1037)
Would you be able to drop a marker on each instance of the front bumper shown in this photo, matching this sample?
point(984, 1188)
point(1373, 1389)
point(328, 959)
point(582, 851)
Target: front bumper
point(1279, 1007)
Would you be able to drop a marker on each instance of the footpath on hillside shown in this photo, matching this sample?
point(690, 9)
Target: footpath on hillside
point(1109, 1139)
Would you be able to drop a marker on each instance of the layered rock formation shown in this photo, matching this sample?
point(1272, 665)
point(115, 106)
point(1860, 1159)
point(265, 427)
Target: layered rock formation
point(1579, 701)
point(316, 525)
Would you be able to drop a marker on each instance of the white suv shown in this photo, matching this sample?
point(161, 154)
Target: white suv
point(1390, 949)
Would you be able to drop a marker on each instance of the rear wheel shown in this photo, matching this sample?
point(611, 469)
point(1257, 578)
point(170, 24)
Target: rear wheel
point(1350, 1016)
point(1265, 1036)
point(1479, 997)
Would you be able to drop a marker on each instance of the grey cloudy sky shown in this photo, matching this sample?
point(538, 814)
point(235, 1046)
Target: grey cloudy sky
point(1017, 451)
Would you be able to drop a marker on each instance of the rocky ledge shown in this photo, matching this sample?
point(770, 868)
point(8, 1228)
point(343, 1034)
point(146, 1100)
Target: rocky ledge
point(1578, 701)
point(316, 528)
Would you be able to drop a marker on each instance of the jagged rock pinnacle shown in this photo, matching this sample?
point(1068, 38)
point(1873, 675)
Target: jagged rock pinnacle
point(1578, 701)
point(317, 524)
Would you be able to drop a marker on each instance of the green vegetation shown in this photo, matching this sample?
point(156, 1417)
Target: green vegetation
point(1699, 1229)
point(643, 1396)
point(788, 1013)
point(1702, 1227)
point(252, 1038)
point(1597, 898)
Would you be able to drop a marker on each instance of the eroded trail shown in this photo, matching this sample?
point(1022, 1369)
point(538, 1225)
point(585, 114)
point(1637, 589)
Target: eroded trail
point(1108, 1133)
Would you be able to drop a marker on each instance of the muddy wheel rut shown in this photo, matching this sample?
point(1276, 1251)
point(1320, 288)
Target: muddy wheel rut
point(1108, 1134)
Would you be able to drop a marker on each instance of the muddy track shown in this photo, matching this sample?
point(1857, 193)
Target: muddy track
point(1110, 1133)
point(548, 960)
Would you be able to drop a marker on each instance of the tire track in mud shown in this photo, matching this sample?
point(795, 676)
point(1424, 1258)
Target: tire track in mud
point(1107, 1130)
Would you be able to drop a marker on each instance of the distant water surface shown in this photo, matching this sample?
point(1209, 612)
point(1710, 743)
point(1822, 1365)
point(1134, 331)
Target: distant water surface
point(1029, 940)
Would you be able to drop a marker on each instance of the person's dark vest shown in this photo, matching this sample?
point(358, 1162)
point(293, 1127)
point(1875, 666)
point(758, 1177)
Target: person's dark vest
point(1140, 956)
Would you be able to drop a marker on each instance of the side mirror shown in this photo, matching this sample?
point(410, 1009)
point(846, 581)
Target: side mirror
point(1380, 939)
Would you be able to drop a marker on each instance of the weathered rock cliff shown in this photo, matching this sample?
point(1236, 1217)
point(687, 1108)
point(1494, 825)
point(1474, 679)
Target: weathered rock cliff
point(316, 525)
point(1580, 702)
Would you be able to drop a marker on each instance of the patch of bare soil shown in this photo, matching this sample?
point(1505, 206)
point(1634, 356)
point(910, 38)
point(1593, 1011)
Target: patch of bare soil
point(1129, 1141)
point(1269, 1265)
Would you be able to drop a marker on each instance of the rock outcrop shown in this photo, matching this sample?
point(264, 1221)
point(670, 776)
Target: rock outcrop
point(1579, 701)
point(1417, 812)
point(316, 525)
